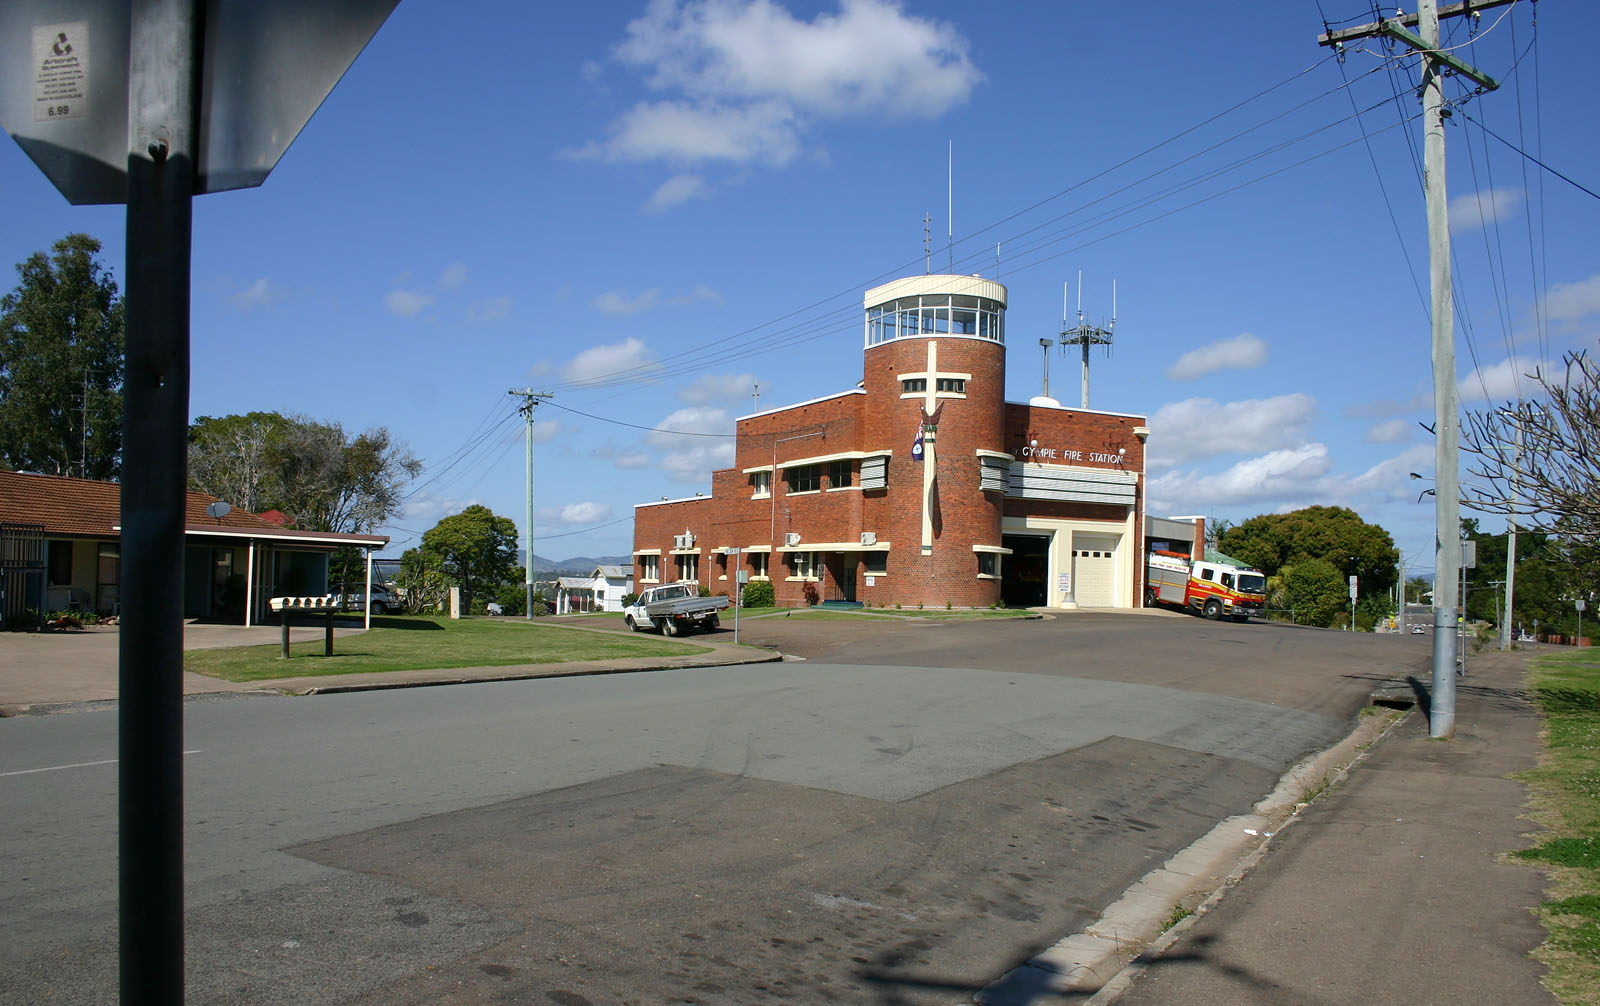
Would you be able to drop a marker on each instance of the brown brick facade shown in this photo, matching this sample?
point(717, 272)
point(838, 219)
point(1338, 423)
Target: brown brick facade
point(881, 418)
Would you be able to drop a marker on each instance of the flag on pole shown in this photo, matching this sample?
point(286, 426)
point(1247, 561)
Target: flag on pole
point(916, 445)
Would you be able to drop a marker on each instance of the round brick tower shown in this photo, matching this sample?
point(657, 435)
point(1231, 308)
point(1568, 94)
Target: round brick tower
point(935, 362)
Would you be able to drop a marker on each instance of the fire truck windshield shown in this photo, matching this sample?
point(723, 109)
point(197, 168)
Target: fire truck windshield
point(1252, 583)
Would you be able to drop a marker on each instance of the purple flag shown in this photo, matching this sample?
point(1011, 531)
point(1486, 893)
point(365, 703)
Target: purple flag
point(916, 445)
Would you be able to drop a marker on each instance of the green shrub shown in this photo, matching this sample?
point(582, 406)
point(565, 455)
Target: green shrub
point(759, 594)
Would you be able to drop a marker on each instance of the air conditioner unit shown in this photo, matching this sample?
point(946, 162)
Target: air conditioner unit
point(792, 538)
point(869, 538)
point(685, 540)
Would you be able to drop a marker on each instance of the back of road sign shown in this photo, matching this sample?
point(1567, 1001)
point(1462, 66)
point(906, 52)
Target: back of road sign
point(268, 65)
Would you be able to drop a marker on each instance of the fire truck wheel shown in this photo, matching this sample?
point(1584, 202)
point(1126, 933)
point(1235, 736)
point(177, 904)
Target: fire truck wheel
point(1241, 618)
point(1149, 599)
point(1213, 609)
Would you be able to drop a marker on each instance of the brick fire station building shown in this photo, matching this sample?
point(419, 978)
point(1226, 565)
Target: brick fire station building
point(922, 484)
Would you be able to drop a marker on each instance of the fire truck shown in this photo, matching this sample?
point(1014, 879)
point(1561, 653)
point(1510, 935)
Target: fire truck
point(1215, 587)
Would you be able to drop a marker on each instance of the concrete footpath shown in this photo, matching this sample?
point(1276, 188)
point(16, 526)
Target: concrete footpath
point(40, 672)
point(1389, 888)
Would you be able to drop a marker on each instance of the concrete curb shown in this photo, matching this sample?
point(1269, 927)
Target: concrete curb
point(1105, 958)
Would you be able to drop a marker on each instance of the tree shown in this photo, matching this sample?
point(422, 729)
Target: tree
point(231, 458)
point(475, 548)
point(324, 479)
point(61, 369)
point(1538, 461)
point(1336, 535)
point(1317, 591)
point(423, 581)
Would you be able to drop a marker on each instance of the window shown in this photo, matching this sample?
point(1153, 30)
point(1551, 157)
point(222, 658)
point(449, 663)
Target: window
point(805, 479)
point(60, 563)
point(840, 474)
point(1227, 580)
point(758, 565)
point(649, 567)
point(988, 564)
point(760, 483)
point(913, 385)
point(876, 563)
point(688, 567)
point(801, 563)
point(956, 384)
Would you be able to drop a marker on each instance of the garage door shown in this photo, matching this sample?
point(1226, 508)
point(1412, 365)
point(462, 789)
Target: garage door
point(1094, 570)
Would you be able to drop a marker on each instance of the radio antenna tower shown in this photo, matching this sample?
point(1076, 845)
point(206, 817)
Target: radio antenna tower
point(1086, 335)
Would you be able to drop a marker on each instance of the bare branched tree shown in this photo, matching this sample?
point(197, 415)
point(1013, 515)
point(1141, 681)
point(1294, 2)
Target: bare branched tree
point(1539, 461)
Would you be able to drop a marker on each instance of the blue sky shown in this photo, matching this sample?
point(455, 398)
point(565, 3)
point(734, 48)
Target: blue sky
point(652, 209)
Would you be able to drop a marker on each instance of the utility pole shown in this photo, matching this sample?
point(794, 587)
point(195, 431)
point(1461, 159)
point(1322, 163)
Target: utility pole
point(1086, 335)
point(530, 399)
point(1511, 545)
point(1447, 494)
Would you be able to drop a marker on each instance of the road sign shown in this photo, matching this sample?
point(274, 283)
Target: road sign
point(1469, 554)
point(1352, 588)
point(266, 66)
point(1580, 604)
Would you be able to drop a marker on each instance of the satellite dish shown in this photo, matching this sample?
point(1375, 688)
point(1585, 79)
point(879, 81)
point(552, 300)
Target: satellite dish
point(217, 510)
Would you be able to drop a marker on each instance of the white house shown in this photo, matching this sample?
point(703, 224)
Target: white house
point(601, 590)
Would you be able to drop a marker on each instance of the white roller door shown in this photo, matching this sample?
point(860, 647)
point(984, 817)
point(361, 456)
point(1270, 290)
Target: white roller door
point(1094, 570)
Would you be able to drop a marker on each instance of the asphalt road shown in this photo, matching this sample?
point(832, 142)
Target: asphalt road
point(898, 819)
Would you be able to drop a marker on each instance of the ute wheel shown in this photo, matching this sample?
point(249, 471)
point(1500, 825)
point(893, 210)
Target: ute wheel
point(1213, 609)
point(379, 608)
point(712, 623)
point(630, 623)
point(669, 627)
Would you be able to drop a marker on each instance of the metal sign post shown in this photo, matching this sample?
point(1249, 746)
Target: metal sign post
point(1580, 605)
point(1352, 602)
point(738, 584)
point(151, 102)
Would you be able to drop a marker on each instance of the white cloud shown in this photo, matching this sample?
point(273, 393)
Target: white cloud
point(489, 309)
point(675, 191)
point(1505, 381)
point(701, 294)
point(406, 303)
point(1387, 408)
point(260, 294)
point(683, 133)
point(1394, 431)
point(1567, 302)
point(1201, 428)
point(742, 80)
point(691, 459)
point(619, 303)
point(722, 388)
point(1485, 208)
point(871, 58)
point(454, 276)
point(577, 514)
point(604, 361)
point(1242, 352)
point(1291, 474)
point(632, 462)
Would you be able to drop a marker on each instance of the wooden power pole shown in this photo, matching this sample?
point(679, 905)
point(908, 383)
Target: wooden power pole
point(1447, 494)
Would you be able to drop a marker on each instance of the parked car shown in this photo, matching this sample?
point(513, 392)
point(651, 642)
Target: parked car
point(1416, 630)
point(493, 608)
point(382, 602)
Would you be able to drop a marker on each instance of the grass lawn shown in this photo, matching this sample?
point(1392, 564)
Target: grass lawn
point(1566, 789)
point(417, 642)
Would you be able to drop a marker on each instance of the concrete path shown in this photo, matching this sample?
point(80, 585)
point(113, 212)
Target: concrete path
point(1391, 887)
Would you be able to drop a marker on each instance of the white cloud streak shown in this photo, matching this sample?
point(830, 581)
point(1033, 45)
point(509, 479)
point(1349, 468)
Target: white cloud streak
point(1242, 352)
point(1201, 427)
point(603, 361)
point(1484, 208)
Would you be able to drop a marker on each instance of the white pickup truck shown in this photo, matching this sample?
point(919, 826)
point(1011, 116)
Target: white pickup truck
point(674, 608)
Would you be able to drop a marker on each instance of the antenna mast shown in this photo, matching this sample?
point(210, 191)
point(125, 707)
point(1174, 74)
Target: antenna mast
point(1086, 335)
point(927, 243)
point(950, 204)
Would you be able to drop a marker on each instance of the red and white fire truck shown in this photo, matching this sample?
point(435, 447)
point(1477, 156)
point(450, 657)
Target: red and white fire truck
point(1215, 587)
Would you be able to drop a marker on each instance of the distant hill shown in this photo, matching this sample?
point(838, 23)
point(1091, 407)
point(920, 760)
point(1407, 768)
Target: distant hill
point(578, 565)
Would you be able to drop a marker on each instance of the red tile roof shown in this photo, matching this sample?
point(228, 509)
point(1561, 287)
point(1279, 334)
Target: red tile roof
point(69, 507)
